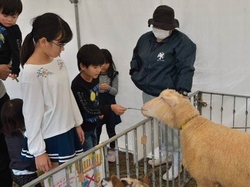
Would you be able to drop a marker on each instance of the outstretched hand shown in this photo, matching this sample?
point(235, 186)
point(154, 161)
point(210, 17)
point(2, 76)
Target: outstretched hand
point(118, 109)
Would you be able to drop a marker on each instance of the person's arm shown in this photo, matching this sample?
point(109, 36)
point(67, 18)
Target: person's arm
point(76, 111)
point(78, 118)
point(32, 94)
point(4, 71)
point(15, 39)
point(186, 53)
point(114, 86)
point(135, 64)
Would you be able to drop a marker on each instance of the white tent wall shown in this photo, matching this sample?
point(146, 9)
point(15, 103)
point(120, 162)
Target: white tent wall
point(220, 28)
point(33, 8)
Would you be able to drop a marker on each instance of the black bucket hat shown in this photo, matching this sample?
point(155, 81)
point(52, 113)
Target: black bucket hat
point(163, 18)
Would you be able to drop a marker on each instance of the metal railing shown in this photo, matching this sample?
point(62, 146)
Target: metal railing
point(137, 144)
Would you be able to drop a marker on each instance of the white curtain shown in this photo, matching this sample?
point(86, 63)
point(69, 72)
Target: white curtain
point(220, 29)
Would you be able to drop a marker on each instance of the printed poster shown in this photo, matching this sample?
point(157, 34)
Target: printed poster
point(78, 178)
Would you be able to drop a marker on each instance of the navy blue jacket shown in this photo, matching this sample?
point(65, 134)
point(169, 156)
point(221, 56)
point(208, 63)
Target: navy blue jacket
point(156, 66)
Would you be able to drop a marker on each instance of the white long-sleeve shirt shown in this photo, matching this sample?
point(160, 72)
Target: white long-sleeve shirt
point(49, 106)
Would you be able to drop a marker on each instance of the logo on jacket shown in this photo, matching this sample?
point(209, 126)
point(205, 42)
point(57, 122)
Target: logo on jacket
point(3, 34)
point(160, 56)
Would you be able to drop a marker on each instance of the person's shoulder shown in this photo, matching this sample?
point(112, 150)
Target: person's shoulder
point(115, 73)
point(77, 83)
point(17, 28)
point(14, 31)
point(148, 34)
point(95, 81)
point(29, 73)
point(181, 36)
point(32, 68)
point(76, 79)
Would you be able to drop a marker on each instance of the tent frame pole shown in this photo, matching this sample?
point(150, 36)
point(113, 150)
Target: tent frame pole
point(77, 22)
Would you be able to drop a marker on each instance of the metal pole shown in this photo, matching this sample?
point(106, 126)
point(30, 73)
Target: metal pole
point(77, 22)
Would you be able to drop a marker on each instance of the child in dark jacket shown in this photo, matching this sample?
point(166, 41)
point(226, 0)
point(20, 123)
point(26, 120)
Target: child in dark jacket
point(13, 129)
point(85, 87)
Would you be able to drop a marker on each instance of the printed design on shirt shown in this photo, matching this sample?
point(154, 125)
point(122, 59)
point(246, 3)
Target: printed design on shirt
point(42, 72)
point(160, 56)
point(95, 102)
point(60, 64)
point(92, 96)
point(3, 34)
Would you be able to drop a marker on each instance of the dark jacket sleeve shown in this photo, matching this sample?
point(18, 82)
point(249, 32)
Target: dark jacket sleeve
point(185, 55)
point(14, 40)
point(135, 64)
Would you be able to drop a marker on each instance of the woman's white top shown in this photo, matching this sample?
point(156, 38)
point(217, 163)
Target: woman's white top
point(49, 106)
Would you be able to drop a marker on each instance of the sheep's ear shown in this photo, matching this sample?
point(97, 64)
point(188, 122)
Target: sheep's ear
point(116, 182)
point(172, 101)
point(145, 180)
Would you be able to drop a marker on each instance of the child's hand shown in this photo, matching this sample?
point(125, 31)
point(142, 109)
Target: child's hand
point(43, 162)
point(4, 71)
point(118, 109)
point(80, 134)
point(101, 116)
point(104, 86)
point(14, 76)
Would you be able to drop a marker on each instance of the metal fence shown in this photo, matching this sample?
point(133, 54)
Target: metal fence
point(138, 144)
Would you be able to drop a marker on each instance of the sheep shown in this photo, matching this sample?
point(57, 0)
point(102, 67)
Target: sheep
point(213, 154)
point(114, 181)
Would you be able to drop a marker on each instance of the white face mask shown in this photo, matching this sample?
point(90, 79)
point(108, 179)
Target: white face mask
point(160, 34)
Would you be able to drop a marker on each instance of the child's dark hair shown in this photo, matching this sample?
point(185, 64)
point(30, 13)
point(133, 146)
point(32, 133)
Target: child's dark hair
point(12, 117)
point(11, 7)
point(89, 54)
point(108, 59)
point(48, 25)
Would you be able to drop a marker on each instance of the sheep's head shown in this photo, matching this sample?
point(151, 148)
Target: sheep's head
point(171, 108)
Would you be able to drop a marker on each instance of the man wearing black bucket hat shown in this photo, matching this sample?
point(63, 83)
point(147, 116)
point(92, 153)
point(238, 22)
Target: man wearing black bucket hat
point(164, 58)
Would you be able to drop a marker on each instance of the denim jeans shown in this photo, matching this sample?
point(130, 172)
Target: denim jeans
point(90, 140)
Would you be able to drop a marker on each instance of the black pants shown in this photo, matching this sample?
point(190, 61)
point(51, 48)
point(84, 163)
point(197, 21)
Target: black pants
point(5, 172)
point(110, 132)
point(21, 180)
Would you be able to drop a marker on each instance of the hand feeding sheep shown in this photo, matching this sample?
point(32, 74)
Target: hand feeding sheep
point(215, 155)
